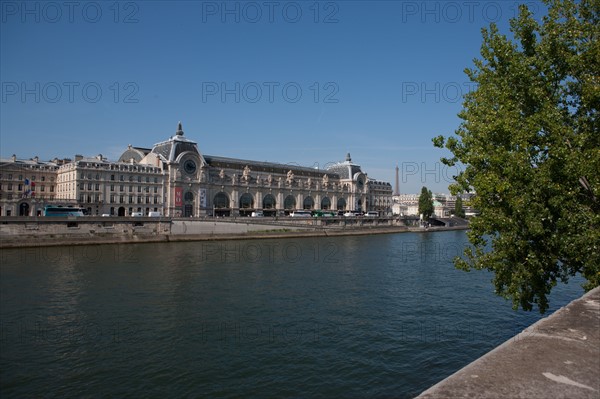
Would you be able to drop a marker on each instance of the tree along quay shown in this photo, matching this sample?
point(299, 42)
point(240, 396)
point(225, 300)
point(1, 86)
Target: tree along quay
point(533, 163)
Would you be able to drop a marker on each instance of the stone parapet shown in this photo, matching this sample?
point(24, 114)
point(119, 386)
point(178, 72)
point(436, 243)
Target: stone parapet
point(557, 357)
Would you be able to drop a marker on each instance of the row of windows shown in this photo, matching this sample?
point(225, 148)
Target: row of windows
point(125, 168)
point(32, 178)
point(10, 196)
point(66, 177)
point(90, 186)
point(20, 186)
point(121, 199)
point(139, 189)
point(66, 186)
point(131, 178)
point(96, 187)
point(90, 176)
point(134, 168)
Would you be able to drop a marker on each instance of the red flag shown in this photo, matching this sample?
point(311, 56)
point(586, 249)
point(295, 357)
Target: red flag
point(178, 196)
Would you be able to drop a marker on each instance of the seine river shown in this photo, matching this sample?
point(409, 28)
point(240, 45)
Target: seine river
point(373, 316)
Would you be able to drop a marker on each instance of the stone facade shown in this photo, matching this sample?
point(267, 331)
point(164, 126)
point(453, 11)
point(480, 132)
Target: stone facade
point(26, 186)
point(408, 204)
point(176, 179)
point(113, 188)
point(380, 196)
point(199, 185)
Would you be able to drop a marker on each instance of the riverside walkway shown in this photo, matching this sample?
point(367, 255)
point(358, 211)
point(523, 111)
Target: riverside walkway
point(557, 357)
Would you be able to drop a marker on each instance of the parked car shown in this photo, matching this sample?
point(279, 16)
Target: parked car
point(352, 214)
point(257, 214)
point(154, 214)
point(301, 214)
point(372, 214)
point(137, 214)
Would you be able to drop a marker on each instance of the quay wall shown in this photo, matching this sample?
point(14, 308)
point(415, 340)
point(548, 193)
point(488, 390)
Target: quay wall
point(556, 357)
point(27, 231)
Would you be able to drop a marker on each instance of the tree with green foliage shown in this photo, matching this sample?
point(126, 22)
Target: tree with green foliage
point(529, 142)
point(426, 203)
point(458, 208)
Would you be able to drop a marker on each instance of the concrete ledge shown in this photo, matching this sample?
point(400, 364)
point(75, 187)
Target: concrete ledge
point(557, 357)
point(23, 241)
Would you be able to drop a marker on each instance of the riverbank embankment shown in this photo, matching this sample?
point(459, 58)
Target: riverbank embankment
point(557, 357)
point(28, 232)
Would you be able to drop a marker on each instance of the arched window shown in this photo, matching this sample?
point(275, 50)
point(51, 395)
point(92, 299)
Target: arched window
point(290, 202)
point(341, 204)
point(325, 203)
point(221, 201)
point(309, 203)
point(246, 201)
point(269, 202)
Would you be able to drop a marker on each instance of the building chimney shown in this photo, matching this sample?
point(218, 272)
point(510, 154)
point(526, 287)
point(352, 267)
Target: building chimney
point(78, 157)
point(14, 158)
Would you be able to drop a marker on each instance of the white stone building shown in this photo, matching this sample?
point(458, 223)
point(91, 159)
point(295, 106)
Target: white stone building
point(176, 179)
point(380, 196)
point(405, 204)
point(27, 185)
point(113, 188)
point(197, 184)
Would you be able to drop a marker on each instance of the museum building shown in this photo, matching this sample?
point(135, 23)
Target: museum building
point(176, 179)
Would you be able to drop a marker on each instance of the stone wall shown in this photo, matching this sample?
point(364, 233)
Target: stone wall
point(31, 231)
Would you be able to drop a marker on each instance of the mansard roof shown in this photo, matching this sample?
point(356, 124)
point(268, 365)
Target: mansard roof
point(266, 167)
point(170, 149)
point(346, 169)
point(30, 163)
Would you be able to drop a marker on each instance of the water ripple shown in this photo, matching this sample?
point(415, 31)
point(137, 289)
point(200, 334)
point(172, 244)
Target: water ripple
point(380, 316)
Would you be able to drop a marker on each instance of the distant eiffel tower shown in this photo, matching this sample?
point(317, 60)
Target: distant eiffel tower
point(397, 188)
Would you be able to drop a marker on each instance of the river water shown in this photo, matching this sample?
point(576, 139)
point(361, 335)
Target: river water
point(371, 316)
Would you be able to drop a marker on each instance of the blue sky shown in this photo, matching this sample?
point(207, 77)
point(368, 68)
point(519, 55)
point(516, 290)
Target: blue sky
point(283, 81)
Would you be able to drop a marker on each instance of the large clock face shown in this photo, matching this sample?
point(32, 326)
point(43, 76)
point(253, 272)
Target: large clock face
point(189, 166)
point(360, 182)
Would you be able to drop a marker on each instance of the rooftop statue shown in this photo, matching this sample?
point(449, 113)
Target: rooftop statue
point(246, 173)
